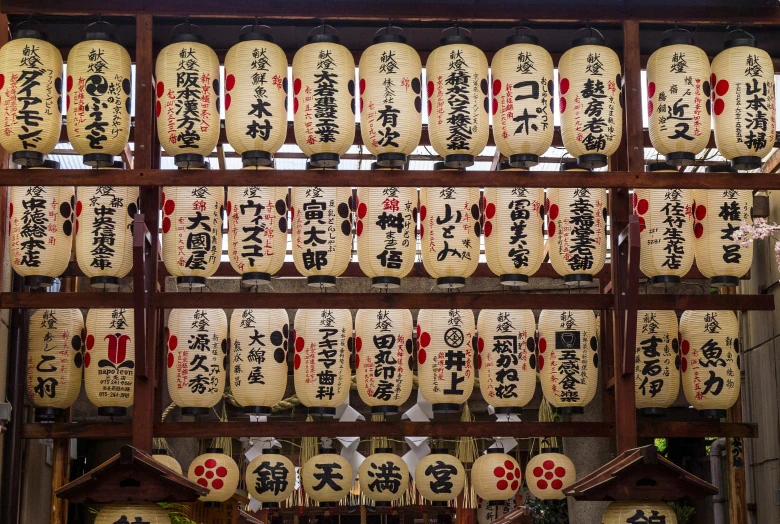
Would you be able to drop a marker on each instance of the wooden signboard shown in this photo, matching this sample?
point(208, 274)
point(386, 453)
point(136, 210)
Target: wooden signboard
point(225, 513)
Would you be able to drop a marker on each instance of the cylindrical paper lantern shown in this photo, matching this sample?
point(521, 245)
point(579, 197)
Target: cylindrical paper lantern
point(445, 358)
point(98, 96)
point(270, 478)
point(523, 100)
point(450, 226)
point(548, 474)
point(506, 358)
point(131, 512)
point(324, 99)
point(187, 73)
point(161, 455)
point(657, 363)
point(31, 84)
point(390, 74)
point(568, 358)
point(54, 358)
point(258, 358)
point(327, 477)
point(439, 477)
point(216, 471)
point(323, 340)
point(644, 511)
point(383, 476)
point(496, 476)
point(743, 102)
point(109, 360)
point(458, 100)
point(321, 232)
point(487, 513)
point(710, 360)
point(591, 107)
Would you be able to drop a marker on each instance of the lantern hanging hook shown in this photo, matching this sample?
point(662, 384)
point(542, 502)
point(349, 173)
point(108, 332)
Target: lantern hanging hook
point(520, 26)
point(590, 28)
point(324, 28)
point(388, 28)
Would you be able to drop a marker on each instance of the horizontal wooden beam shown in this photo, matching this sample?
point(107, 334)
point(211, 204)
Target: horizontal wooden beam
point(65, 300)
point(713, 302)
point(88, 430)
point(696, 429)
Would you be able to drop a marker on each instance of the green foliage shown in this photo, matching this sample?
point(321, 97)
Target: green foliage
point(662, 446)
point(549, 512)
point(684, 513)
point(177, 512)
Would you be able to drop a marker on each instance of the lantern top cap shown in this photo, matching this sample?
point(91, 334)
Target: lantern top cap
point(383, 450)
point(518, 38)
point(192, 34)
point(572, 166)
point(440, 451)
point(551, 450)
point(398, 37)
point(326, 449)
point(324, 36)
point(659, 166)
point(159, 451)
point(255, 35)
point(677, 36)
point(47, 164)
point(593, 38)
point(494, 450)
point(100, 30)
point(214, 450)
point(31, 33)
point(722, 168)
point(741, 38)
point(457, 38)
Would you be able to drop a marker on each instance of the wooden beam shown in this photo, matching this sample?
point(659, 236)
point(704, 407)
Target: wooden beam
point(65, 300)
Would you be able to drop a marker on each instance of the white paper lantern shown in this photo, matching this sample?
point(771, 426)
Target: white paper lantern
point(383, 476)
point(327, 477)
point(657, 361)
point(109, 360)
point(439, 477)
point(496, 476)
point(548, 474)
point(270, 478)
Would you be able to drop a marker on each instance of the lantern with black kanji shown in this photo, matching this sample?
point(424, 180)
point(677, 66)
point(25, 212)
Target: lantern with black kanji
point(487, 513)
point(383, 476)
point(133, 512)
point(197, 358)
point(710, 360)
point(445, 358)
point(458, 100)
point(270, 478)
point(162, 456)
point(523, 100)
point(256, 97)
point(496, 476)
point(98, 96)
point(258, 358)
point(439, 477)
point(506, 358)
point(590, 104)
point(323, 74)
point(109, 360)
point(657, 362)
point(327, 477)
point(187, 106)
point(216, 471)
point(639, 511)
point(568, 358)
point(743, 101)
point(549, 473)
point(322, 339)
point(54, 359)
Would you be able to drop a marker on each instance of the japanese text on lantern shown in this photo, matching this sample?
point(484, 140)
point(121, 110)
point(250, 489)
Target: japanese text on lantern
point(394, 221)
point(36, 228)
point(387, 116)
point(520, 208)
point(460, 95)
point(453, 365)
point(271, 477)
point(716, 352)
point(22, 104)
point(53, 358)
point(259, 233)
point(105, 203)
point(674, 213)
point(325, 107)
point(259, 109)
point(509, 350)
point(116, 372)
point(569, 365)
point(384, 374)
point(595, 107)
point(759, 105)
point(188, 114)
point(318, 232)
point(201, 372)
point(452, 219)
point(326, 358)
point(653, 360)
point(732, 211)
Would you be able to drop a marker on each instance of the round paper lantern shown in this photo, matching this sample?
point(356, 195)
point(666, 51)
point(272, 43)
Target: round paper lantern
point(496, 476)
point(187, 73)
point(132, 512)
point(192, 232)
point(322, 340)
point(644, 511)
point(383, 358)
point(256, 97)
point(743, 102)
point(383, 476)
point(439, 477)
point(657, 363)
point(197, 358)
point(710, 360)
point(487, 513)
point(590, 104)
point(216, 471)
point(161, 455)
point(98, 96)
point(109, 360)
point(506, 358)
point(327, 477)
point(258, 358)
point(31, 84)
point(445, 358)
point(270, 479)
point(568, 358)
point(321, 232)
point(324, 99)
point(458, 100)
point(386, 233)
point(548, 474)
point(54, 358)
point(450, 226)
point(523, 100)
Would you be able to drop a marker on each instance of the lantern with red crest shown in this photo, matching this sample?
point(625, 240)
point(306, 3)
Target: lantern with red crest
point(109, 360)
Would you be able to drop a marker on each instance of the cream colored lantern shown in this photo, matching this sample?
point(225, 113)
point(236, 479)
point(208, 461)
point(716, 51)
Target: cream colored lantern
point(383, 476)
point(109, 360)
point(487, 513)
point(197, 358)
point(270, 479)
point(54, 359)
point(217, 472)
point(548, 474)
point(710, 361)
point(132, 512)
point(644, 511)
point(657, 362)
point(161, 455)
point(439, 477)
point(496, 476)
point(327, 477)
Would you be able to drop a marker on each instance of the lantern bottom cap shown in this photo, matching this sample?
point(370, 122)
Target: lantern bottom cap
point(324, 160)
point(194, 411)
point(329, 504)
point(724, 281)
point(321, 281)
point(212, 504)
point(514, 280)
point(38, 281)
point(450, 282)
point(382, 504)
point(523, 160)
point(713, 413)
point(572, 280)
point(446, 408)
point(760, 206)
point(47, 414)
point(270, 505)
point(258, 410)
point(99, 160)
point(550, 450)
point(459, 161)
point(661, 280)
point(190, 281)
point(256, 158)
point(189, 160)
point(384, 410)
point(112, 411)
point(746, 162)
point(571, 410)
point(509, 410)
point(318, 411)
point(386, 282)
point(440, 503)
point(653, 412)
point(497, 502)
point(27, 158)
point(592, 161)
point(104, 281)
point(256, 279)
point(391, 159)
point(678, 159)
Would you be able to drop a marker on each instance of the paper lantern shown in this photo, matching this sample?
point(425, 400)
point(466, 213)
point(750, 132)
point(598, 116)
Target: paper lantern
point(192, 232)
point(98, 96)
point(496, 476)
point(644, 511)
point(568, 358)
point(327, 477)
point(132, 512)
point(270, 478)
point(710, 360)
point(321, 232)
point(523, 100)
point(383, 476)
point(258, 358)
point(439, 477)
point(323, 340)
point(506, 358)
point(487, 513)
point(590, 103)
point(678, 99)
point(217, 472)
point(161, 455)
point(386, 233)
point(324, 99)
point(548, 474)
point(657, 363)
point(31, 84)
point(450, 226)
point(54, 358)
point(109, 360)
point(743, 102)
point(187, 108)
point(458, 100)
point(445, 358)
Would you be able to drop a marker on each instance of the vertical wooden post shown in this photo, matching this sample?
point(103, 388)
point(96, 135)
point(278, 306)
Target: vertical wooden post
point(60, 472)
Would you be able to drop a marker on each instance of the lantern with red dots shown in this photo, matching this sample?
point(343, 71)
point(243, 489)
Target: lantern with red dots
point(162, 456)
point(431, 469)
point(458, 100)
point(270, 478)
point(197, 358)
point(487, 513)
point(109, 360)
point(327, 477)
point(217, 472)
point(710, 360)
point(132, 512)
point(54, 359)
point(591, 104)
point(657, 362)
point(743, 101)
point(496, 476)
point(623, 512)
point(549, 473)
point(383, 358)
point(374, 471)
